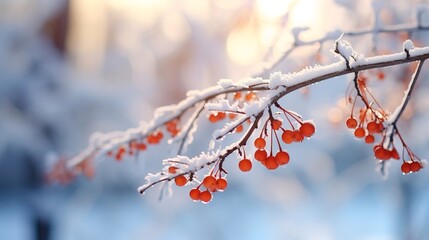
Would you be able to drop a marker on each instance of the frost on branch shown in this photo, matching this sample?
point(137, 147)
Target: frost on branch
point(253, 126)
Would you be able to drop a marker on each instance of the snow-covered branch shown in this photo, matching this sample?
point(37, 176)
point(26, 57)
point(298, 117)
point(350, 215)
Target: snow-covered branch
point(246, 100)
point(333, 35)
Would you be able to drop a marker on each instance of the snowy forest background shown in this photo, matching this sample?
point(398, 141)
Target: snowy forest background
point(69, 68)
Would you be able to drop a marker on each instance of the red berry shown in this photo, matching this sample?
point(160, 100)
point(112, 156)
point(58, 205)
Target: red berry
point(221, 184)
point(351, 123)
point(239, 128)
point(221, 115)
point(213, 118)
point(372, 127)
point(359, 132)
point(394, 153)
point(205, 196)
point(288, 136)
point(237, 95)
point(172, 169)
point(406, 167)
point(298, 137)
point(250, 96)
point(195, 194)
point(307, 129)
point(271, 163)
point(245, 165)
point(282, 158)
point(381, 153)
point(380, 75)
point(180, 180)
point(369, 139)
point(260, 143)
point(141, 146)
point(276, 124)
point(260, 155)
point(415, 166)
point(209, 182)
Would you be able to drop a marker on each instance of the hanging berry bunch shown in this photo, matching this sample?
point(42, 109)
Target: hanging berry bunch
point(269, 151)
point(372, 123)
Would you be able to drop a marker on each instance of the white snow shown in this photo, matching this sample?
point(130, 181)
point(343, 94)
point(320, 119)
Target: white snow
point(225, 83)
point(408, 45)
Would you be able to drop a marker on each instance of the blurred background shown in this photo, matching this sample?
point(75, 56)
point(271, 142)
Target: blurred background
point(69, 68)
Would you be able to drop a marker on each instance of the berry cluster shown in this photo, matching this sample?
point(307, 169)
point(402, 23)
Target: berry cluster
point(269, 132)
point(141, 145)
point(214, 182)
point(62, 174)
point(269, 151)
point(239, 97)
point(370, 121)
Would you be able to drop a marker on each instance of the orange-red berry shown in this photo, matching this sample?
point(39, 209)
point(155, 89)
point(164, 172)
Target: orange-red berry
point(260, 155)
point(369, 139)
point(415, 166)
point(380, 75)
point(141, 146)
point(172, 169)
point(298, 137)
point(394, 153)
point(205, 196)
point(282, 158)
point(213, 118)
point(221, 115)
point(171, 126)
point(351, 123)
point(250, 96)
point(221, 184)
point(180, 180)
point(381, 153)
point(209, 182)
point(288, 136)
point(276, 124)
point(271, 163)
point(239, 128)
point(359, 132)
point(195, 194)
point(245, 165)
point(260, 143)
point(372, 127)
point(120, 154)
point(307, 129)
point(237, 95)
point(406, 167)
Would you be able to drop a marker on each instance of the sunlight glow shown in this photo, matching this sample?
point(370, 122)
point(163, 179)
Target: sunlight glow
point(306, 13)
point(272, 9)
point(243, 46)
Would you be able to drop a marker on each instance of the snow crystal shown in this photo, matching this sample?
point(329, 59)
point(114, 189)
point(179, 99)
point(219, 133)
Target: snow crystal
point(225, 83)
point(247, 82)
point(256, 107)
point(222, 105)
point(408, 45)
point(278, 79)
point(345, 49)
